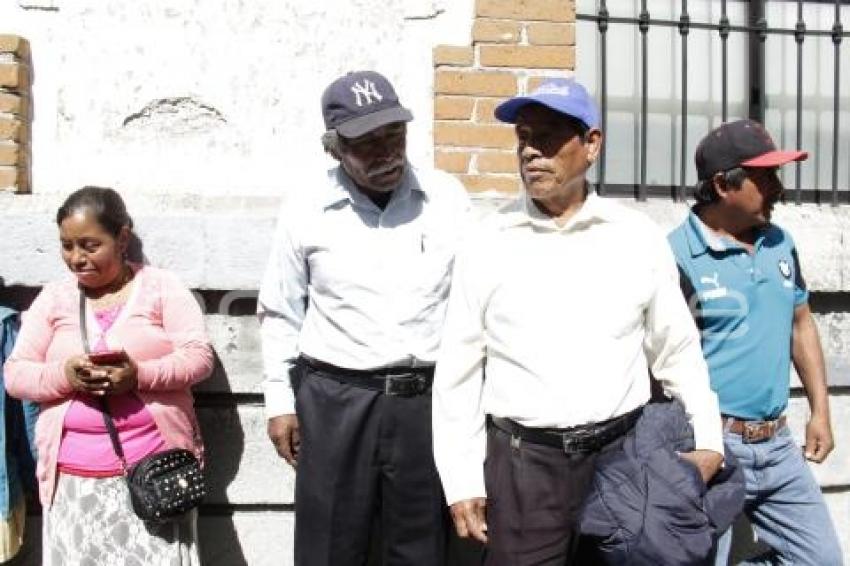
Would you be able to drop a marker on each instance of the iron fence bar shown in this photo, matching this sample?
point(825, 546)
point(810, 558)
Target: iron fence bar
point(603, 29)
point(759, 30)
point(664, 191)
point(724, 71)
point(713, 27)
point(799, 37)
point(756, 57)
point(643, 26)
point(684, 21)
point(836, 41)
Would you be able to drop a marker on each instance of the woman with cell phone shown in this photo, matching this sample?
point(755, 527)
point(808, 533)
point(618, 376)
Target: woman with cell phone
point(146, 347)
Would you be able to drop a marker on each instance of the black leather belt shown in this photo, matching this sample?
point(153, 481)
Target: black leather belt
point(577, 439)
point(400, 380)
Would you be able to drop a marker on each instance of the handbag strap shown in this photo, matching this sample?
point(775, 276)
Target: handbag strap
point(104, 406)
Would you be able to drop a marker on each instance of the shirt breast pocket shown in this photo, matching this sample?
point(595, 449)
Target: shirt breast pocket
point(433, 262)
point(333, 268)
point(622, 302)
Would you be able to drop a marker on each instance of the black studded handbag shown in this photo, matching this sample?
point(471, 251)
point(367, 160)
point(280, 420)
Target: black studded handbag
point(163, 486)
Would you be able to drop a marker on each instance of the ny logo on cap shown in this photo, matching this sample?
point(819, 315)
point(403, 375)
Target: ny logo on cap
point(366, 90)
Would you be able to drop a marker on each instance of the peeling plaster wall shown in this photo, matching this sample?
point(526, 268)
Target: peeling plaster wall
point(215, 96)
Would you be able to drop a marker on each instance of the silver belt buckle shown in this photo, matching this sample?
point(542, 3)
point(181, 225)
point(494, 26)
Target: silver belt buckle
point(391, 378)
point(388, 385)
point(577, 443)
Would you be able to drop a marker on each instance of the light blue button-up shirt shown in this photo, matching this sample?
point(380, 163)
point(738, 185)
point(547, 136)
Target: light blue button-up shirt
point(356, 286)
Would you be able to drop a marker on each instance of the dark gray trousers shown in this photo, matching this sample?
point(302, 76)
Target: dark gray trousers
point(365, 459)
point(534, 497)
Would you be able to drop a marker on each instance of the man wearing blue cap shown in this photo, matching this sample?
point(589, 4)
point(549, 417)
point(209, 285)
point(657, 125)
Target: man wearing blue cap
point(742, 277)
point(351, 308)
point(569, 300)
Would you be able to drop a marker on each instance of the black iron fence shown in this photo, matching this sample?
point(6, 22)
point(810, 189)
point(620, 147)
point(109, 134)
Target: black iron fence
point(757, 29)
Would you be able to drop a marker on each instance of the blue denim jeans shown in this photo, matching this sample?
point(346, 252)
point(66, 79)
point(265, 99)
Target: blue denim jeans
point(784, 504)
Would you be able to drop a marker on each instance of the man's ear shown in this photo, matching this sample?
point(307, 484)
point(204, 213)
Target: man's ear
point(593, 143)
point(720, 186)
point(330, 143)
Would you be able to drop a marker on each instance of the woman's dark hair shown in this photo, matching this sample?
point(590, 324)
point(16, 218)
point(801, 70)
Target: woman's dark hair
point(105, 204)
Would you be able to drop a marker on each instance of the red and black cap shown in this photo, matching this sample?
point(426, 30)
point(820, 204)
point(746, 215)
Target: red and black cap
point(743, 143)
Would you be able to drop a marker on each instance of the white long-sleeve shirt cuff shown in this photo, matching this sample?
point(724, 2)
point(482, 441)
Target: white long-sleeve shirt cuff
point(708, 429)
point(279, 399)
point(466, 483)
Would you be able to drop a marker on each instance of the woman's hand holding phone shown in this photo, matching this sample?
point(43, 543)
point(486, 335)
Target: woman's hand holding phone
point(115, 358)
point(102, 373)
point(119, 372)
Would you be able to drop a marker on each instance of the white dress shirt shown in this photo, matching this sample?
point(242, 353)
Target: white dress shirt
point(568, 320)
point(356, 286)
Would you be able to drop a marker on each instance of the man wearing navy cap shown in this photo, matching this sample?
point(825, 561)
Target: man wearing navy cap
point(351, 308)
point(742, 278)
point(569, 300)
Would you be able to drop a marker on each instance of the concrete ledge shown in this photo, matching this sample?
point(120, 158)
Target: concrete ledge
point(237, 342)
point(835, 472)
point(818, 230)
point(242, 465)
point(244, 468)
point(265, 538)
point(209, 250)
point(222, 243)
point(246, 538)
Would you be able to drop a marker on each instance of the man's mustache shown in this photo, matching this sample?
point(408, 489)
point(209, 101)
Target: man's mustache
point(387, 168)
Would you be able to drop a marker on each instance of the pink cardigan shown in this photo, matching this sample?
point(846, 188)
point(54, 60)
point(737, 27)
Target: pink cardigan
point(161, 327)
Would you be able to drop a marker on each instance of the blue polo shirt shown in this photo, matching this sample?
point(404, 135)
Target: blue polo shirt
point(744, 307)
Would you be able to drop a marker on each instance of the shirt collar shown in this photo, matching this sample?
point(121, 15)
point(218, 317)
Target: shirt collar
point(523, 211)
point(6, 313)
point(701, 239)
point(340, 187)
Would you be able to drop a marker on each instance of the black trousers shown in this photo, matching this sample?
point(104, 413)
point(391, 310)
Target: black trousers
point(534, 497)
point(365, 458)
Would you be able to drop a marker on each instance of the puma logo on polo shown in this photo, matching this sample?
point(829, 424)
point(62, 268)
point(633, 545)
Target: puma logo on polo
point(712, 280)
point(366, 91)
point(717, 291)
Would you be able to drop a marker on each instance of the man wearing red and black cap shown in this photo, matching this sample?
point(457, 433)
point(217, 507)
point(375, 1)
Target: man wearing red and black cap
point(351, 308)
point(742, 278)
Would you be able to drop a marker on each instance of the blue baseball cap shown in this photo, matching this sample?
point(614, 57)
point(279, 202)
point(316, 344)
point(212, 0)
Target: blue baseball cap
point(564, 96)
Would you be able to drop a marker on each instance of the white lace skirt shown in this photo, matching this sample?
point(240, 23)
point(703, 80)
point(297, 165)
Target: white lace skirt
point(91, 523)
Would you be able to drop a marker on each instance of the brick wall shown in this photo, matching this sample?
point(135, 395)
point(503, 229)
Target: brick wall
point(515, 43)
point(14, 114)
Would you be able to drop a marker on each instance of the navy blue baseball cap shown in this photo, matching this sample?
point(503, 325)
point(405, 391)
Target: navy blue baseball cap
point(743, 143)
point(359, 102)
point(564, 96)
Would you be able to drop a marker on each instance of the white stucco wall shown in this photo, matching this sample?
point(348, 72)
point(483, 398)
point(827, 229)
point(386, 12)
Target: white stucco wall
point(214, 96)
